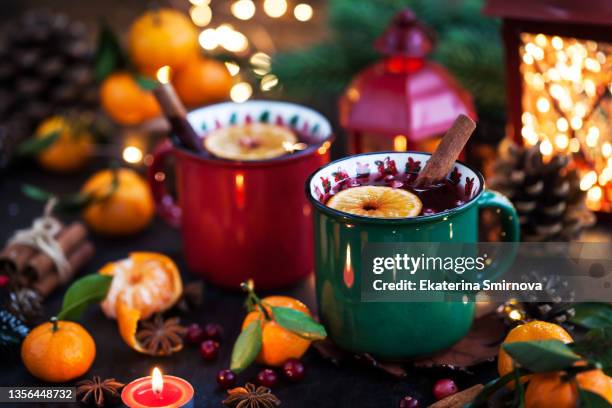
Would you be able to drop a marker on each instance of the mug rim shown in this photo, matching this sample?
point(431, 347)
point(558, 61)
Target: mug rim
point(359, 219)
point(309, 151)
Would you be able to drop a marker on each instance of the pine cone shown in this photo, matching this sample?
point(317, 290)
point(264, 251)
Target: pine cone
point(12, 333)
point(25, 304)
point(46, 67)
point(547, 196)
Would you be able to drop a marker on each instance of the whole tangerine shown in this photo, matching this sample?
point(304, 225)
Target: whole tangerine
point(203, 81)
point(125, 210)
point(551, 390)
point(162, 37)
point(125, 101)
point(58, 351)
point(71, 149)
point(278, 343)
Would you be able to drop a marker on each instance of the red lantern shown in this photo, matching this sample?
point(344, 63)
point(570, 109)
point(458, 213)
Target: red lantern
point(404, 102)
point(559, 75)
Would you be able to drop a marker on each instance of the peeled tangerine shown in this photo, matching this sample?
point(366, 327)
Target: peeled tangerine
point(257, 141)
point(146, 282)
point(376, 202)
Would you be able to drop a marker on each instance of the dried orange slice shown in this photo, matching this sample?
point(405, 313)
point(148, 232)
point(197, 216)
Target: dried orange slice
point(377, 202)
point(145, 281)
point(256, 141)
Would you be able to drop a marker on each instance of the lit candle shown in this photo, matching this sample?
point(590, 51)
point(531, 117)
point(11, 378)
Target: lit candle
point(158, 391)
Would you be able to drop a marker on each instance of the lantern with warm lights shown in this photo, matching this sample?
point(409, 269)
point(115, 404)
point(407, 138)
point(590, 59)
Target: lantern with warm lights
point(559, 77)
point(403, 102)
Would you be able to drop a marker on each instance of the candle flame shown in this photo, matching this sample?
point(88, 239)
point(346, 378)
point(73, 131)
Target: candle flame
point(157, 381)
point(163, 74)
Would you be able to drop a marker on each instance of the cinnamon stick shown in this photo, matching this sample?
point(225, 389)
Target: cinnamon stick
point(176, 114)
point(76, 259)
point(14, 257)
point(41, 265)
point(459, 399)
point(443, 158)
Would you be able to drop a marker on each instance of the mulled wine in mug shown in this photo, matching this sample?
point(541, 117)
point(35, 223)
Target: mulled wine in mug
point(241, 206)
point(372, 198)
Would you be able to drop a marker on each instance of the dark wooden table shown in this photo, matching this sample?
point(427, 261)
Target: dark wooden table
point(325, 385)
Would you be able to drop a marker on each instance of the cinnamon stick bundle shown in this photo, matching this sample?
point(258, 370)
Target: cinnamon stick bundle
point(31, 267)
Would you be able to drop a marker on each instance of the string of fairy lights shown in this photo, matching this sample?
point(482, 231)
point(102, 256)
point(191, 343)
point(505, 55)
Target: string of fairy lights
point(567, 84)
point(226, 37)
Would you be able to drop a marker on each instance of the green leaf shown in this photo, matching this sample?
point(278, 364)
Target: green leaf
point(299, 323)
point(542, 356)
point(36, 145)
point(68, 203)
point(82, 293)
point(145, 83)
point(109, 57)
point(519, 389)
point(493, 386)
point(596, 345)
point(588, 399)
point(247, 347)
point(593, 315)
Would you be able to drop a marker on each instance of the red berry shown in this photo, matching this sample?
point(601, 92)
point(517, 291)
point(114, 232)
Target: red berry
point(293, 369)
point(195, 334)
point(226, 378)
point(409, 402)
point(209, 349)
point(444, 387)
point(4, 280)
point(267, 378)
point(213, 331)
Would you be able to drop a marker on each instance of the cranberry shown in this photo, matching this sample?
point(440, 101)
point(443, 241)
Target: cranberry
point(4, 280)
point(267, 378)
point(226, 378)
point(293, 369)
point(209, 349)
point(409, 402)
point(444, 387)
point(195, 334)
point(213, 331)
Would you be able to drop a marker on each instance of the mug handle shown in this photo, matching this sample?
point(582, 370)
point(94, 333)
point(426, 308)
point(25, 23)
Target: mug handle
point(509, 217)
point(511, 230)
point(164, 202)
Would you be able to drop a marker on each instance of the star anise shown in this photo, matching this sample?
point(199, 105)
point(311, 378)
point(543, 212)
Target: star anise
point(250, 396)
point(161, 337)
point(98, 391)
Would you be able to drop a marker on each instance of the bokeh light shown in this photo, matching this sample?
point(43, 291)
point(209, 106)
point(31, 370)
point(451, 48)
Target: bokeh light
point(303, 12)
point(275, 8)
point(243, 9)
point(241, 92)
point(201, 15)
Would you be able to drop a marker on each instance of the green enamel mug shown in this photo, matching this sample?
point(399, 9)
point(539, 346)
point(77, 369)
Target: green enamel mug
point(392, 330)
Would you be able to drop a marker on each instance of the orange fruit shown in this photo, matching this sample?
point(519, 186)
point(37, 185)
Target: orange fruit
point(257, 141)
point(278, 344)
point(203, 81)
point(550, 390)
point(162, 37)
point(129, 209)
point(534, 330)
point(70, 151)
point(58, 352)
point(125, 101)
point(377, 201)
point(147, 282)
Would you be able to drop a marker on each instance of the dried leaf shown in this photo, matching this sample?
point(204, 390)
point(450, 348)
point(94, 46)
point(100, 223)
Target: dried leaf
point(479, 345)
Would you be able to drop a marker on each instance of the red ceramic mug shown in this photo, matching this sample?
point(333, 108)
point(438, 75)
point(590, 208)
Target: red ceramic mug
point(242, 220)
